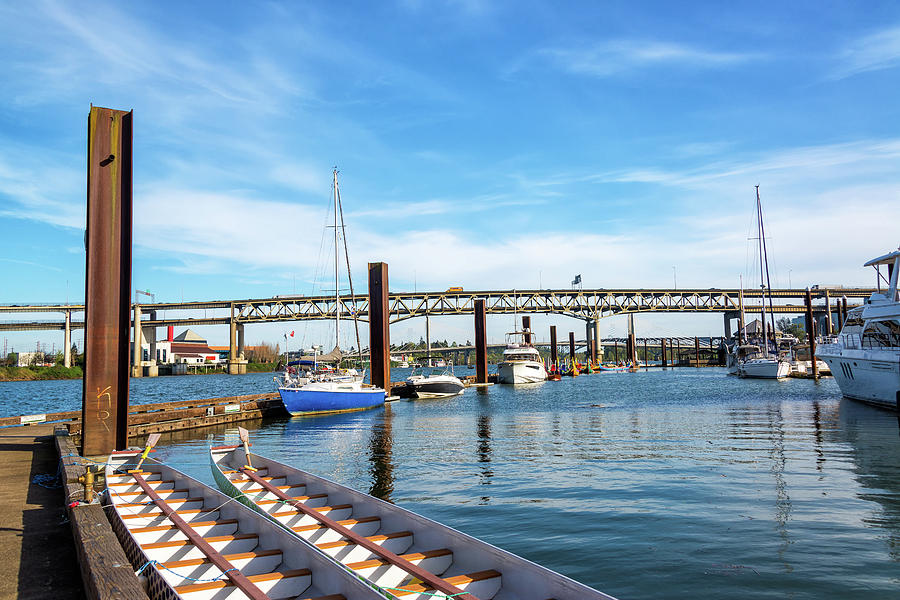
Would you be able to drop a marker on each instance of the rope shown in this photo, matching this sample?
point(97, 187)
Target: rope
point(159, 564)
point(438, 595)
point(46, 480)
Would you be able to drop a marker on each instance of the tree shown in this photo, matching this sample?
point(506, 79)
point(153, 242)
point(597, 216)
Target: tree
point(785, 326)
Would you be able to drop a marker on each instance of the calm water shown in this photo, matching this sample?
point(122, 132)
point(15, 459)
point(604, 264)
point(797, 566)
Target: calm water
point(660, 484)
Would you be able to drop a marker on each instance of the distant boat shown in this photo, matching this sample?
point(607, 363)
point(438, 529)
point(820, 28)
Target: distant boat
point(437, 384)
point(764, 365)
point(521, 361)
point(334, 391)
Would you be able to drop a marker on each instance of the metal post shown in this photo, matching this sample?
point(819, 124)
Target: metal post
point(677, 358)
point(67, 340)
point(844, 310)
point(554, 357)
point(662, 343)
point(632, 346)
point(811, 334)
point(829, 325)
point(572, 347)
point(526, 327)
point(645, 353)
point(589, 352)
point(697, 350)
point(240, 340)
point(379, 327)
point(480, 343)
point(427, 340)
point(598, 346)
point(728, 325)
point(104, 409)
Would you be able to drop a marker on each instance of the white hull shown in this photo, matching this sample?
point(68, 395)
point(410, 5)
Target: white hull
point(528, 371)
point(764, 368)
point(871, 376)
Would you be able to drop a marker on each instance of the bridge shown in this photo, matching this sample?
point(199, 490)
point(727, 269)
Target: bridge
point(586, 305)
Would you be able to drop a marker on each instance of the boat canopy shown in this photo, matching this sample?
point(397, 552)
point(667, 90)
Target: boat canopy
point(887, 259)
point(334, 356)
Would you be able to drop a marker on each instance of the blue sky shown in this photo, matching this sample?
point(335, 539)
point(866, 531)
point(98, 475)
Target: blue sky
point(481, 144)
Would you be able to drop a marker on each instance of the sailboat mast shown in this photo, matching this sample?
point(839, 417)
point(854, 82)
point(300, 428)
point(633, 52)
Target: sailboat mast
point(762, 281)
point(337, 288)
point(762, 230)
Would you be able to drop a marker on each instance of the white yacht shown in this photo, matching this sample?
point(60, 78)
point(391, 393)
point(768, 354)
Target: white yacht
point(521, 361)
point(865, 358)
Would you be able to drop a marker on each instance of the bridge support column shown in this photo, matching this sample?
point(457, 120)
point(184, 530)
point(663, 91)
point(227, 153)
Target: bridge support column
point(149, 335)
point(107, 289)
point(240, 340)
point(554, 356)
point(379, 327)
point(526, 327)
point(728, 317)
point(480, 343)
point(589, 353)
point(67, 341)
point(236, 365)
point(662, 344)
point(137, 369)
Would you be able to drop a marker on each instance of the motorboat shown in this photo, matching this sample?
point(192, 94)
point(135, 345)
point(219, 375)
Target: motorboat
point(439, 383)
point(338, 390)
point(193, 542)
point(865, 357)
point(521, 361)
point(390, 547)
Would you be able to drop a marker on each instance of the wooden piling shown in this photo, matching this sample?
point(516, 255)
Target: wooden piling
point(481, 375)
point(572, 347)
point(379, 327)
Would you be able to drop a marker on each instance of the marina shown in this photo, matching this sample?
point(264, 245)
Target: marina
point(609, 331)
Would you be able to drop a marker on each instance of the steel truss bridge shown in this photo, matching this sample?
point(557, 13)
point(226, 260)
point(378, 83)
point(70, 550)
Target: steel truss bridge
point(587, 305)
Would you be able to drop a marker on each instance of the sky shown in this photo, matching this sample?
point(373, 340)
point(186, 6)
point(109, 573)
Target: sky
point(487, 145)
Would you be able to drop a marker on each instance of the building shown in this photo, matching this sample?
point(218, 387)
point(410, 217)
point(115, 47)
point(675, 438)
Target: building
point(190, 348)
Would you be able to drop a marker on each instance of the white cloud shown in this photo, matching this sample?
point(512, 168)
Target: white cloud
point(613, 57)
point(877, 51)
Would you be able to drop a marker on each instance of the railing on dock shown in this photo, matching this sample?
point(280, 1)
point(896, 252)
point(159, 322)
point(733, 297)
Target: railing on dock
point(172, 416)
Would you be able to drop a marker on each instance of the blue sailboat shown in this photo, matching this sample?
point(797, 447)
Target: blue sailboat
point(332, 391)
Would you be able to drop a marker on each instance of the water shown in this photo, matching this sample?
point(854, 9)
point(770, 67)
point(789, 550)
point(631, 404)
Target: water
point(659, 484)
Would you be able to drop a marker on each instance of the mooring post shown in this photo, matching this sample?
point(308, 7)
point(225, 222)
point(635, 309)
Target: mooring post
point(526, 327)
point(598, 346)
point(107, 289)
point(588, 344)
point(645, 354)
point(662, 343)
point(829, 326)
point(632, 343)
point(844, 310)
point(697, 350)
point(572, 347)
point(616, 351)
point(379, 327)
point(554, 358)
point(811, 334)
point(480, 343)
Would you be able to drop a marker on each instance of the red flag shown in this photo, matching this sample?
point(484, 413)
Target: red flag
point(292, 334)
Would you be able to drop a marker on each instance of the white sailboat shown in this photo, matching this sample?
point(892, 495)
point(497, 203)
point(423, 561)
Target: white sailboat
point(763, 365)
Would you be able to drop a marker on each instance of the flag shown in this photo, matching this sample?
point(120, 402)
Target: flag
point(577, 280)
point(292, 334)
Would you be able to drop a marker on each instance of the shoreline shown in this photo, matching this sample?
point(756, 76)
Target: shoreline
point(60, 373)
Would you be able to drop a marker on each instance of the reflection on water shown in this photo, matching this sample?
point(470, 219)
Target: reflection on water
point(659, 484)
point(380, 450)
